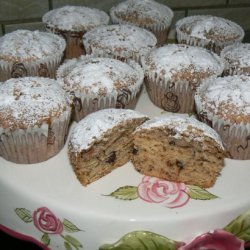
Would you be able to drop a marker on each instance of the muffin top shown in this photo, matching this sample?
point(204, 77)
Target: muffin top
point(75, 18)
point(225, 97)
point(179, 61)
point(126, 39)
point(182, 127)
point(26, 45)
point(93, 127)
point(142, 13)
point(26, 102)
point(237, 56)
point(99, 76)
point(210, 28)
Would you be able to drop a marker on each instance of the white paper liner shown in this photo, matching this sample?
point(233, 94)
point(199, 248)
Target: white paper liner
point(213, 45)
point(173, 96)
point(177, 97)
point(44, 68)
point(235, 137)
point(36, 144)
point(84, 104)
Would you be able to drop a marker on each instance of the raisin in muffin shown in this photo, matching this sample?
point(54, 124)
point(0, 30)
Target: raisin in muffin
point(101, 142)
point(211, 32)
point(30, 53)
point(71, 22)
point(174, 71)
point(34, 118)
point(119, 41)
point(179, 149)
point(150, 15)
point(224, 104)
point(236, 59)
point(98, 83)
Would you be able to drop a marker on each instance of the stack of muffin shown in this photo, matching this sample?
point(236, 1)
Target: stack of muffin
point(89, 67)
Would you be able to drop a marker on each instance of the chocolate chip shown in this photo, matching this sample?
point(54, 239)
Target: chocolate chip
point(172, 143)
point(135, 151)
point(111, 158)
point(180, 164)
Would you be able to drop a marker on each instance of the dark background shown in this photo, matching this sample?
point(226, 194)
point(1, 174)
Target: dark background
point(9, 243)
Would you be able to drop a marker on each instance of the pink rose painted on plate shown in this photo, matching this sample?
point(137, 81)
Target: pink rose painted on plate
point(46, 221)
point(216, 240)
point(170, 194)
point(167, 193)
point(50, 226)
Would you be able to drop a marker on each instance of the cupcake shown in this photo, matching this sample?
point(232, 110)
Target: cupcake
point(180, 149)
point(211, 32)
point(72, 22)
point(119, 41)
point(224, 104)
point(174, 71)
point(147, 14)
point(99, 83)
point(34, 118)
point(30, 53)
point(236, 59)
point(101, 142)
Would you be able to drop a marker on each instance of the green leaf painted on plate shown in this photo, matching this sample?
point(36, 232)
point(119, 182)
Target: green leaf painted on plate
point(67, 246)
point(73, 241)
point(125, 193)
point(240, 226)
point(198, 193)
point(69, 227)
point(142, 240)
point(24, 214)
point(45, 239)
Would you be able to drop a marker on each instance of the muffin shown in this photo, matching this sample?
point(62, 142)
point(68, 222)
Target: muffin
point(101, 142)
point(150, 15)
point(211, 32)
point(34, 118)
point(224, 104)
point(98, 83)
point(174, 71)
point(119, 41)
point(71, 22)
point(180, 149)
point(30, 53)
point(236, 59)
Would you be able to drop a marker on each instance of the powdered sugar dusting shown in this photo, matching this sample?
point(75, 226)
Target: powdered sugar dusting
point(210, 27)
point(96, 124)
point(237, 55)
point(170, 59)
point(30, 45)
point(99, 75)
point(183, 126)
point(123, 37)
point(146, 12)
point(75, 18)
point(29, 101)
point(227, 97)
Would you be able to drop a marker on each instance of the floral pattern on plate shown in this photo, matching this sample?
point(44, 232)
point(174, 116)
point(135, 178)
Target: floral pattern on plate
point(47, 222)
point(235, 236)
point(169, 194)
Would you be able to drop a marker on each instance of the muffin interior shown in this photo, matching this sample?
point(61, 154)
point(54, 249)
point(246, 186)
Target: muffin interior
point(160, 154)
